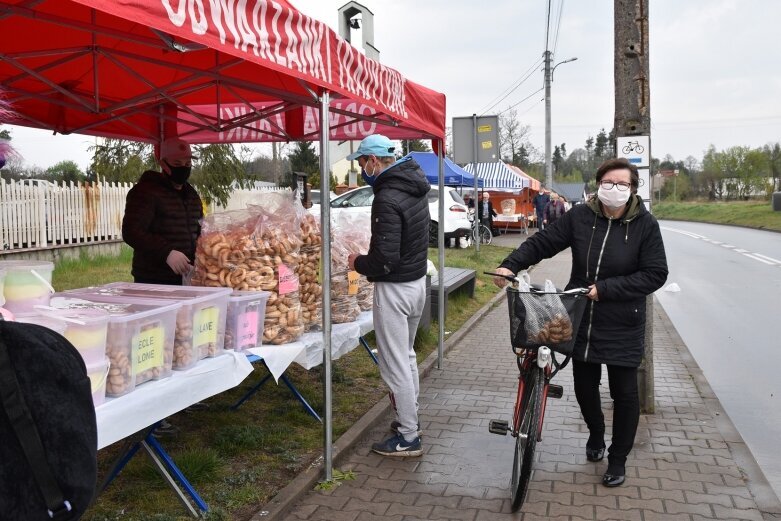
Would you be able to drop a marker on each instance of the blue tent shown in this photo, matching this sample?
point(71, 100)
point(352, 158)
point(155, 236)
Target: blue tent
point(454, 174)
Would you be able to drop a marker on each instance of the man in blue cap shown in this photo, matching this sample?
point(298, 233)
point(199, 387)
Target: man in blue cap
point(396, 263)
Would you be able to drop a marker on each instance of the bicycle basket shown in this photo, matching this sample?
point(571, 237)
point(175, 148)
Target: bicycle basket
point(545, 319)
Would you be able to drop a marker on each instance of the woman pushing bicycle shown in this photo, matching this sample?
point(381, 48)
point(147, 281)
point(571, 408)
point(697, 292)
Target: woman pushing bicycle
point(618, 254)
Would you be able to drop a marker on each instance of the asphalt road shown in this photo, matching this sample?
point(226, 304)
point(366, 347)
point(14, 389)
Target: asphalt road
point(728, 312)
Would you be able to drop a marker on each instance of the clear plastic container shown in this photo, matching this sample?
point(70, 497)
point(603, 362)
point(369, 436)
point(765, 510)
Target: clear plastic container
point(27, 284)
point(140, 341)
point(36, 318)
point(2, 284)
point(200, 322)
point(98, 376)
point(84, 328)
point(246, 315)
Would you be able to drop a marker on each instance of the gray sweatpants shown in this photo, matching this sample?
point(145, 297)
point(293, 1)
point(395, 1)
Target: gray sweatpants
point(397, 310)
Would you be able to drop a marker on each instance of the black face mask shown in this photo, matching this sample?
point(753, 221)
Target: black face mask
point(179, 174)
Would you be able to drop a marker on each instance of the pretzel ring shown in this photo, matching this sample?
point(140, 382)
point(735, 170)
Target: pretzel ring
point(211, 239)
point(237, 276)
point(224, 275)
point(214, 251)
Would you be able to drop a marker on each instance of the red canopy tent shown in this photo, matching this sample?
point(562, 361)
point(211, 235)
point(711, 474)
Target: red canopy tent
point(203, 69)
point(208, 71)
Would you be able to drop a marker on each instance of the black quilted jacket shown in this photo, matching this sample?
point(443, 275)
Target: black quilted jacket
point(624, 257)
point(400, 226)
point(158, 219)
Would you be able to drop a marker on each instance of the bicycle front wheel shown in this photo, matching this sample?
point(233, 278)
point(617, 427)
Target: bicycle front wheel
point(485, 235)
point(526, 441)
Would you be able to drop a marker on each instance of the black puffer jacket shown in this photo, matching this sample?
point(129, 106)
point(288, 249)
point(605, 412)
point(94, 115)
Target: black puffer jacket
point(624, 257)
point(159, 218)
point(400, 225)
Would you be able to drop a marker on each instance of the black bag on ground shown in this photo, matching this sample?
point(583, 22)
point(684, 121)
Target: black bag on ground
point(48, 435)
point(545, 319)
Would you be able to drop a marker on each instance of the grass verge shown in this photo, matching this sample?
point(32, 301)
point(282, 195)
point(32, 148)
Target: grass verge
point(238, 460)
point(751, 214)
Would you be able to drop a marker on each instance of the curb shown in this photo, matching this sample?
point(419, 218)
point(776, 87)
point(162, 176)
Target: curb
point(275, 509)
point(765, 497)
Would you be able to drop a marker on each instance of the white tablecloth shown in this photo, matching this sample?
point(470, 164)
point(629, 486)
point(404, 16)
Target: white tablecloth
point(120, 417)
point(307, 351)
point(518, 217)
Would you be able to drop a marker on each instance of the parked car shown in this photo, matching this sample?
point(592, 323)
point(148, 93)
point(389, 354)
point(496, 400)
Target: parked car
point(314, 196)
point(456, 222)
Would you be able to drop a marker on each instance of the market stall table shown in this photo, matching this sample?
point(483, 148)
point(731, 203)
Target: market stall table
point(147, 405)
point(513, 218)
point(307, 352)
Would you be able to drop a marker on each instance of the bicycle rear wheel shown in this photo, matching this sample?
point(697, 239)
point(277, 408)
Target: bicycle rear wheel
point(526, 441)
point(485, 235)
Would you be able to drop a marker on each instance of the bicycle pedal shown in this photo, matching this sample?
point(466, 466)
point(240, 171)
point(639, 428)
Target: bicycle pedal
point(498, 427)
point(555, 391)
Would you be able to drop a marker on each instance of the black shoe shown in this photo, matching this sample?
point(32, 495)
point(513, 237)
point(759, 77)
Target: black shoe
point(595, 454)
point(613, 480)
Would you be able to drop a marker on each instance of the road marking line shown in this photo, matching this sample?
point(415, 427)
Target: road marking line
point(749, 255)
point(727, 246)
point(684, 232)
point(740, 250)
point(771, 259)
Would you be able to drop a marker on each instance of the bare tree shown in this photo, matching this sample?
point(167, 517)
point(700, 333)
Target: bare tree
point(514, 144)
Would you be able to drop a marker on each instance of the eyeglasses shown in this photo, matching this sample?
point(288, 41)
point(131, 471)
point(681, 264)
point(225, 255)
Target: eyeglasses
point(608, 185)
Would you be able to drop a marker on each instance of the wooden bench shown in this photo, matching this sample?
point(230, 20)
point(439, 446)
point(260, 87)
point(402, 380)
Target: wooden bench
point(455, 280)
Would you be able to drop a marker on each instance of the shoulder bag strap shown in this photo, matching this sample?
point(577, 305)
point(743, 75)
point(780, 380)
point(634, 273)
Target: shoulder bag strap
point(27, 434)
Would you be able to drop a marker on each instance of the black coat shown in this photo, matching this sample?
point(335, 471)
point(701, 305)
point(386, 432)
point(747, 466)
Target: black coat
point(624, 257)
point(158, 219)
point(400, 226)
point(491, 211)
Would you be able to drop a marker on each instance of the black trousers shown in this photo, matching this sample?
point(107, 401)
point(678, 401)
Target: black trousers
point(626, 407)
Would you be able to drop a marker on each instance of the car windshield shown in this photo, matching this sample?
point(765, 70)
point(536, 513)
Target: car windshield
point(358, 197)
point(433, 195)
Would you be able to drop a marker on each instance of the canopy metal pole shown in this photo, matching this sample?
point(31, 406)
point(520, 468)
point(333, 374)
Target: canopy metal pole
point(441, 251)
point(475, 198)
point(325, 256)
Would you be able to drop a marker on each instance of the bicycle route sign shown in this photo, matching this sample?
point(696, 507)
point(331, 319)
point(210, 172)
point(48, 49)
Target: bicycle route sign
point(636, 149)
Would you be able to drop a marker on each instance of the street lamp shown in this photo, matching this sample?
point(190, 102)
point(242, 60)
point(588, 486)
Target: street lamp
point(548, 79)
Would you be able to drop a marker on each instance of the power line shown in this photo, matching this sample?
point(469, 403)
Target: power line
point(524, 99)
point(512, 88)
point(558, 27)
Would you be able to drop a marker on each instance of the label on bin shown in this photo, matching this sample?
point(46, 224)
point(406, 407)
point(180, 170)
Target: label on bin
point(205, 326)
point(247, 329)
point(288, 280)
point(352, 282)
point(148, 345)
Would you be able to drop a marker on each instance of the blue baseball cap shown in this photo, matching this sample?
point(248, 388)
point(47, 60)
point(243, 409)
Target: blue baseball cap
point(374, 145)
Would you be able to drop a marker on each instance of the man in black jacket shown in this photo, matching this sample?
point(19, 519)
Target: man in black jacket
point(162, 218)
point(396, 263)
point(486, 212)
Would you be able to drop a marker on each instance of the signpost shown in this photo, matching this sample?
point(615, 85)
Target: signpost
point(637, 150)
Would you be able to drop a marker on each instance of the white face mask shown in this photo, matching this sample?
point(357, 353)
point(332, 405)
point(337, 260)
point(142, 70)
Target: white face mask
point(613, 198)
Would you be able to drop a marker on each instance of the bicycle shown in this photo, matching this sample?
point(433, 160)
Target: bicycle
point(537, 365)
point(633, 146)
point(480, 230)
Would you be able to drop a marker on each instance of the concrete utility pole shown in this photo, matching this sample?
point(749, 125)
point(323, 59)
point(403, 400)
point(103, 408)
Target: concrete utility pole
point(548, 159)
point(633, 118)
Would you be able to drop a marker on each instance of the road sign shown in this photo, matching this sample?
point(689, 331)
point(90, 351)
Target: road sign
point(636, 149)
point(487, 140)
point(644, 190)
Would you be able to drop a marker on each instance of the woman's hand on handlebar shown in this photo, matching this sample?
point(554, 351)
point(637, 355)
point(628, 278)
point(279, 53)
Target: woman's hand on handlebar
point(592, 292)
point(501, 281)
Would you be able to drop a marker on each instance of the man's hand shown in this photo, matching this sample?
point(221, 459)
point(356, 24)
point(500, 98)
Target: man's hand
point(351, 260)
point(501, 281)
point(178, 262)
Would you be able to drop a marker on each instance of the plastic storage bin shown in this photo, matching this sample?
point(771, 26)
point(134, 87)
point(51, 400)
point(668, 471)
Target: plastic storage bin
point(246, 315)
point(84, 328)
point(140, 342)
point(200, 323)
point(98, 376)
point(27, 284)
point(36, 318)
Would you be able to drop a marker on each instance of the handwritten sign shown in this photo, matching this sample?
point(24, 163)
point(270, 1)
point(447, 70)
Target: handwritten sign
point(205, 326)
point(148, 346)
point(352, 282)
point(288, 280)
point(247, 330)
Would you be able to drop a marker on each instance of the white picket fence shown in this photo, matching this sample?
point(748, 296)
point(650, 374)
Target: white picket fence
point(39, 214)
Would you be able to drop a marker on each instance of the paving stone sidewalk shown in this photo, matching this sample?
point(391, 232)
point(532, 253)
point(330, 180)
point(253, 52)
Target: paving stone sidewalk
point(688, 463)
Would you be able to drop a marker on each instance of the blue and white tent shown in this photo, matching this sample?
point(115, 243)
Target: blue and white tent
point(498, 176)
point(454, 174)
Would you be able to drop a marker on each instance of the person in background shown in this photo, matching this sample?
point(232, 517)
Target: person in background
point(540, 201)
point(486, 212)
point(397, 264)
point(162, 218)
point(618, 254)
point(468, 201)
point(553, 210)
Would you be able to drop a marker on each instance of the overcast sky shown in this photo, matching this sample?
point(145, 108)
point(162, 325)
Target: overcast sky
point(715, 68)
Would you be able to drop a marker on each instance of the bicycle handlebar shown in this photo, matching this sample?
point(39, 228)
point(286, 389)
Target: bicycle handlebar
point(536, 288)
